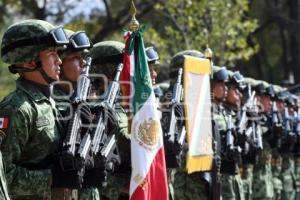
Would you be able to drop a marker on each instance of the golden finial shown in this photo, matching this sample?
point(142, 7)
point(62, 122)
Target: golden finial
point(133, 24)
point(208, 52)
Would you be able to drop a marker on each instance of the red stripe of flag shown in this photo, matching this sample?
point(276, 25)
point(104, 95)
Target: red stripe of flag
point(154, 187)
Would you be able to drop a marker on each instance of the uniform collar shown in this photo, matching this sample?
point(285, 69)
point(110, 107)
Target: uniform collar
point(36, 91)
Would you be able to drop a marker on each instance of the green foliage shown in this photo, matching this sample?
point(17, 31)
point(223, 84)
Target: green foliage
point(222, 24)
point(173, 25)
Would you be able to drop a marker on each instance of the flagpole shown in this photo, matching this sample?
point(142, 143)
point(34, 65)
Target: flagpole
point(134, 23)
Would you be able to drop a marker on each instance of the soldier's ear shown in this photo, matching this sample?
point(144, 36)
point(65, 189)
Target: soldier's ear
point(30, 65)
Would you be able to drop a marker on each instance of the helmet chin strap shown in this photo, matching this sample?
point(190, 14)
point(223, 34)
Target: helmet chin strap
point(45, 76)
point(16, 69)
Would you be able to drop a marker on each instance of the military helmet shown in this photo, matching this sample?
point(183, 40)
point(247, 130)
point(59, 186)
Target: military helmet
point(23, 41)
point(279, 93)
point(178, 60)
point(106, 55)
point(260, 88)
point(79, 42)
point(152, 55)
point(270, 91)
point(236, 78)
point(220, 74)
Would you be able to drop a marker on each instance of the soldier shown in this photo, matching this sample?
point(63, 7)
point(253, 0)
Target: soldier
point(232, 186)
point(33, 133)
point(181, 184)
point(289, 140)
point(73, 64)
point(262, 173)
point(106, 56)
point(219, 92)
point(276, 171)
point(297, 175)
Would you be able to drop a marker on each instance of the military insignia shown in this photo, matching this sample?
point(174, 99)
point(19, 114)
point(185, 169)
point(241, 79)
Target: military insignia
point(147, 133)
point(4, 122)
point(42, 121)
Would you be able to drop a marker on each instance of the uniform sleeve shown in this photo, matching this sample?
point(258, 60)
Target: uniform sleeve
point(22, 181)
point(122, 122)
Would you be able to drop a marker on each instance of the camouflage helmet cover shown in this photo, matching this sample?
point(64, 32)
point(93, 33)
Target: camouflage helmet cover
point(178, 60)
point(24, 30)
point(106, 55)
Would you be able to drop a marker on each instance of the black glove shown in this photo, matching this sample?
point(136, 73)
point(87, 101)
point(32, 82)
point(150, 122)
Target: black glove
point(109, 116)
point(85, 114)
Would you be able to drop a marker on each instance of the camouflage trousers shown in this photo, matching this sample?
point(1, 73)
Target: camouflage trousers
point(189, 186)
point(89, 193)
point(277, 183)
point(247, 179)
point(69, 194)
point(263, 183)
point(117, 187)
point(232, 187)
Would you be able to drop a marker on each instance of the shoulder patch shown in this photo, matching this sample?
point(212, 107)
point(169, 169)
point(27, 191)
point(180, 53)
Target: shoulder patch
point(42, 121)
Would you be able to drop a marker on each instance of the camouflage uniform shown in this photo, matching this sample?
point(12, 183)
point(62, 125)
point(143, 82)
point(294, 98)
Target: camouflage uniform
point(184, 185)
point(262, 173)
point(288, 179)
point(33, 134)
point(63, 105)
point(297, 175)
point(232, 183)
point(277, 183)
point(106, 56)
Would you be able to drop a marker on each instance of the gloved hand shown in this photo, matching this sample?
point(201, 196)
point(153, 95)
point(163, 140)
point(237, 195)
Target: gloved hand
point(84, 114)
point(109, 116)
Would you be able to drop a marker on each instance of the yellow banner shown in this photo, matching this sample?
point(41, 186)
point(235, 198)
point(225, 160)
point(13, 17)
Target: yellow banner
point(197, 106)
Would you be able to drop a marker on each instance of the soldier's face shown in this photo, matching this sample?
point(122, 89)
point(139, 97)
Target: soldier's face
point(266, 104)
point(50, 63)
point(234, 95)
point(280, 105)
point(220, 91)
point(153, 73)
point(72, 66)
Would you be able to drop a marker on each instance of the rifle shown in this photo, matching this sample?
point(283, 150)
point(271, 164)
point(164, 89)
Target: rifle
point(68, 168)
point(233, 151)
point(287, 124)
point(249, 106)
point(215, 186)
point(174, 136)
point(103, 147)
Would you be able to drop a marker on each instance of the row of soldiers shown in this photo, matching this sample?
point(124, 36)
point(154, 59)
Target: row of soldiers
point(50, 123)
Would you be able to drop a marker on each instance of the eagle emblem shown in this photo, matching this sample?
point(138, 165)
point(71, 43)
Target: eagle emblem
point(148, 132)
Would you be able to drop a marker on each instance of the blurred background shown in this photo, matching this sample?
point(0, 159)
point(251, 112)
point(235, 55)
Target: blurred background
point(259, 38)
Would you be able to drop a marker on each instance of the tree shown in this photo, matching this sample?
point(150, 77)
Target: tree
point(278, 35)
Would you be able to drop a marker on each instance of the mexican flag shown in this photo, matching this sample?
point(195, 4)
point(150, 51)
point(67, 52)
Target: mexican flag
point(148, 177)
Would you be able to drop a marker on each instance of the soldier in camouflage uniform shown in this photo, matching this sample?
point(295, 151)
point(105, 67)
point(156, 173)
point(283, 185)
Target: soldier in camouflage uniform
point(289, 140)
point(276, 171)
point(219, 93)
point(73, 64)
point(183, 185)
point(297, 175)
point(33, 133)
point(288, 178)
point(232, 185)
point(262, 173)
point(106, 56)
